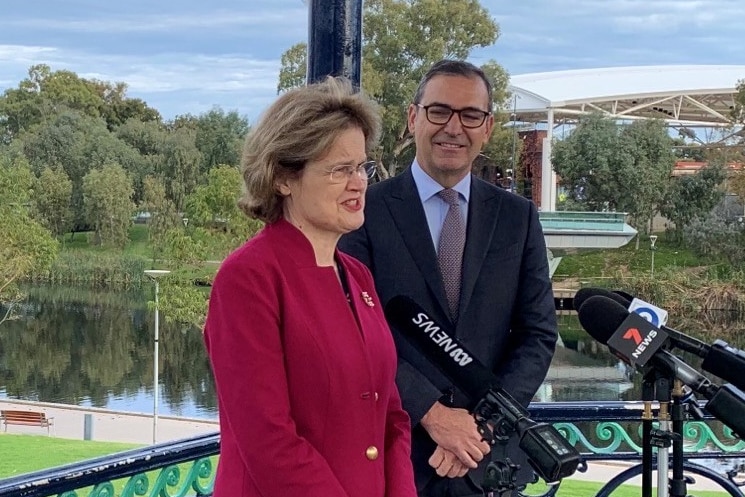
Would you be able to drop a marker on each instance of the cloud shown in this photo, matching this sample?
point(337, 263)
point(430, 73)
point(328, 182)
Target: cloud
point(163, 23)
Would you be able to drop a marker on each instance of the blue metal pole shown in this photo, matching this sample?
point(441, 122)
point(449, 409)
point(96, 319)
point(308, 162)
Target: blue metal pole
point(335, 40)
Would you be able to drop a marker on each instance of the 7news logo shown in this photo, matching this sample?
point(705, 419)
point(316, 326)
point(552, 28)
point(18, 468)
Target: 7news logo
point(636, 340)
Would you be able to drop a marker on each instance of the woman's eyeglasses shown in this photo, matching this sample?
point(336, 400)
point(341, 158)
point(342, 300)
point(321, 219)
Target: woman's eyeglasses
point(343, 173)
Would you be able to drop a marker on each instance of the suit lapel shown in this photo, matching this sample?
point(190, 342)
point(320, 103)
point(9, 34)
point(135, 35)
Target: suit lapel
point(483, 216)
point(408, 215)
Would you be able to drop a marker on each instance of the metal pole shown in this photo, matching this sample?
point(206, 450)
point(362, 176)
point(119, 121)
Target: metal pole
point(155, 367)
point(335, 40)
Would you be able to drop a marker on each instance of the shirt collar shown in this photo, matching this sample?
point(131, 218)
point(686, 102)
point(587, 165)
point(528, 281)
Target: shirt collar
point(428, 187)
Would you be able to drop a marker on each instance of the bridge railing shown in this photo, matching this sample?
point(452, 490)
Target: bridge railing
point(576, 220)
point(599, 430)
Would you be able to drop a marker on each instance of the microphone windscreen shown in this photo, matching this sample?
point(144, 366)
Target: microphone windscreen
point(625, 295)
point(440, 347)
point(585, 293)
point(601, 316)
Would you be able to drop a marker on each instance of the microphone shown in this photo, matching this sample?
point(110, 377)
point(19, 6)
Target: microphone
point(496, 411)
point(636, 341)
point(677, 338)
point(719, 358)
point(655, 315)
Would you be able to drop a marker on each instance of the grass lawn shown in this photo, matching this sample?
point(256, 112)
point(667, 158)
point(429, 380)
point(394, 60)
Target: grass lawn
point(599, 263)
point(26, 453)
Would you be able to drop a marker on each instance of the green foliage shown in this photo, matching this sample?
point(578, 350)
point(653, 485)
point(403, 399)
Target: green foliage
point(107, 195)
point(78, 144)
point(216, 203)
point(25, 245)
point(395, 57)
point(53, 200)
point(618, 168)
point(180, 248)
point(45, 93)
point(693, 196)
point(163, 215)
point(94, 269)
point(737, 185)
point(715, 237)
point(219, 138)
point(179, 168)
point(738, 111)
point(183, 303)
point(649, 146)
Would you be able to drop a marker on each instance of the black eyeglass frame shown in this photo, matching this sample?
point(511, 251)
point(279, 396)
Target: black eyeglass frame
point(454, 111)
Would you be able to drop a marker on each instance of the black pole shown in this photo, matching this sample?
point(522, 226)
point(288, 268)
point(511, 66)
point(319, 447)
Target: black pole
point(678, 482)
point(335, 40)
point(647, 418)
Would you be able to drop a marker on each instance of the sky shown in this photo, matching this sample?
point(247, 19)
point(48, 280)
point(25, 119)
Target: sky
point(188, 56)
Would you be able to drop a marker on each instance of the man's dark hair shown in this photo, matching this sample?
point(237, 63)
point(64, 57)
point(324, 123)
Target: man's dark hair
point(449, 67)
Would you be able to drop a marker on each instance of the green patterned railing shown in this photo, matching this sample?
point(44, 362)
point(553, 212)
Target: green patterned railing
point(599, 431)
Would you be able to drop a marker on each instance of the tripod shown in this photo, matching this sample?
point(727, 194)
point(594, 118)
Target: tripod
point(668, 391)
point(500, 477)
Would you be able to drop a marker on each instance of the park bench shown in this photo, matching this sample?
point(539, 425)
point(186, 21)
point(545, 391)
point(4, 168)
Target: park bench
point(27, 418)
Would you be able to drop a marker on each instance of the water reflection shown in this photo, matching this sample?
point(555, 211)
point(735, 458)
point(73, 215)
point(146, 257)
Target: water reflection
point(95, 348)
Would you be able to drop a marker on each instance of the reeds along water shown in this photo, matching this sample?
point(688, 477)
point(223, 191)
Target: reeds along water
point(93, 270)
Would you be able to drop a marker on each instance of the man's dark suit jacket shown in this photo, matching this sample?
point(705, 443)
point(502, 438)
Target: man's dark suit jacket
point(507, 317)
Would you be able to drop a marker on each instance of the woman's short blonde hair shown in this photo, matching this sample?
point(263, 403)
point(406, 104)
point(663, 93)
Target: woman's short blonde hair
point(299, 127)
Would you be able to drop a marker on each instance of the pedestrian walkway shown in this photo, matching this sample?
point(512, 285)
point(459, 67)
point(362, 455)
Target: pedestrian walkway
point(119, 426)
point(89, 423)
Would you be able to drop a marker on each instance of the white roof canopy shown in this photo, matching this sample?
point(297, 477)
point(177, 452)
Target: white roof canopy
point(693, 95)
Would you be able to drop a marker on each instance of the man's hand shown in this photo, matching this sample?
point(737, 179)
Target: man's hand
point(447, 464)
point(455, 431)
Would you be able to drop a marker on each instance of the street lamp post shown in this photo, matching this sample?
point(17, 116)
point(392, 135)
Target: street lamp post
point(154, 274)
point(653, 239)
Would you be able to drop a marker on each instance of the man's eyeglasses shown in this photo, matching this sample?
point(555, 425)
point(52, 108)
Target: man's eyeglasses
point(441, 114)
point(343, 173)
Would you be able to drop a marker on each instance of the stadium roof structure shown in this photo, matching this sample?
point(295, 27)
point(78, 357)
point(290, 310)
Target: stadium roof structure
point(684, 95)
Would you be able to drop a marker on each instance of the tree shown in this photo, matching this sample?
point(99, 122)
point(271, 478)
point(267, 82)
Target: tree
point(650, 148)
point(737, 185)
point(738, 110)
point(594, 166)
point(53, 200)
point(217, 201)
point(46, 93)
point(625, 168)
point(78, 143)
point(25, 245)
point(395, 57)
point(219, 138)
point(693, 196)
point(107, 196)
point(163, 215)
point(179, 168)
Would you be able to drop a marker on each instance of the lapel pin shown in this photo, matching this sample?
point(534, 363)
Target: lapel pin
point(368, 300)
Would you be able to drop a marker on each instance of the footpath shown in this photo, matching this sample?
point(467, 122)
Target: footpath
point(83, 423)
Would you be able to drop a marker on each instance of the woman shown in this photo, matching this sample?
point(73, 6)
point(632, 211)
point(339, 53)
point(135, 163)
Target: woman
point(303, 359)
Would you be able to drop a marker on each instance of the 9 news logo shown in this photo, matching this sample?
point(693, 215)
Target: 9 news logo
point(652, 313)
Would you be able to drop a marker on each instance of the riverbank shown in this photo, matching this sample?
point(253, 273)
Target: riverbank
point(89, 423)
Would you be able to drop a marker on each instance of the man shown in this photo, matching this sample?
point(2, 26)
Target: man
point(498, 302)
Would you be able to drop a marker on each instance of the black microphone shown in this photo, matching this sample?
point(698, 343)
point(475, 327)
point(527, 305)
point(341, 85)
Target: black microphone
point(611, 324)
point(719, 358)
point(550, 455)
point(636, 341)
point(677, 338)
